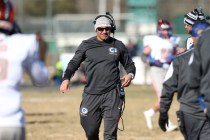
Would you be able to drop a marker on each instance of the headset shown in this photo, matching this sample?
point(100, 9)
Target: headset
point(110, 17)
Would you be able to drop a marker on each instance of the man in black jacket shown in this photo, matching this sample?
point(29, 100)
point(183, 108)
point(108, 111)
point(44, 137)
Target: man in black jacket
point(200, 69)
point(190, 18)
point(192, 120)
point(103, 95)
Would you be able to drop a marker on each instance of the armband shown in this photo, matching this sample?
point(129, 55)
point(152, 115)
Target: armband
point(201, 102)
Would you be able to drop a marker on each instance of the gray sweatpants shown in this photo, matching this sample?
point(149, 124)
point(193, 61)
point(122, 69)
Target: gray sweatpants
point(95, 107)
point(196, 129)
point(12, 133)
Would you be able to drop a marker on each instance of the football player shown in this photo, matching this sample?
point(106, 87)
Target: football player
point(18, 52)
point(159, 50)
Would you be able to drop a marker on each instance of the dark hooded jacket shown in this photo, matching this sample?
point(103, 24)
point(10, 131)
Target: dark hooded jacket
point(101, 64)
point(176, 81)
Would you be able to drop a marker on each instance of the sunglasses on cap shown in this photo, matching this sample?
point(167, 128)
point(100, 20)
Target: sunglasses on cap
point(102, 29)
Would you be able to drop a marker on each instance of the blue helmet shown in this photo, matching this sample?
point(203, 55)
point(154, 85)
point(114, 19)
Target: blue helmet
point(164, 25)
point(198, 28)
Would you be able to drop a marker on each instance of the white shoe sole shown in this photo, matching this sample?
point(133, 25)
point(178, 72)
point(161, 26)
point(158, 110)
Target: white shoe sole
point(171, 128)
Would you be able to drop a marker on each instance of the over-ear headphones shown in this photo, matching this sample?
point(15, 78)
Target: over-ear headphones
point(110, 17)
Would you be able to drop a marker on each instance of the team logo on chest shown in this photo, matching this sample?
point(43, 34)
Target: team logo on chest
point(113, 51)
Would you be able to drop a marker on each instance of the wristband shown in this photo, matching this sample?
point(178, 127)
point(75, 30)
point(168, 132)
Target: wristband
point(132, 75)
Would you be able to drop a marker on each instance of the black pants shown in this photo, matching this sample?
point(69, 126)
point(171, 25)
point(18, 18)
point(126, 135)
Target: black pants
point(195, 129)
point(95, 107)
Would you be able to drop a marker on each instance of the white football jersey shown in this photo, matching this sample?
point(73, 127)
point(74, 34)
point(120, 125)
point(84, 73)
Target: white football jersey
point(18, 52)
point(175, 40)
point(161, 48)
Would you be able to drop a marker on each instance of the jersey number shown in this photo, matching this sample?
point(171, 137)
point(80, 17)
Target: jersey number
point(3, 69)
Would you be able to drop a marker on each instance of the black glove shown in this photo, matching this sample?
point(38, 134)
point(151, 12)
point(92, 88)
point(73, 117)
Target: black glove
point(163, 121)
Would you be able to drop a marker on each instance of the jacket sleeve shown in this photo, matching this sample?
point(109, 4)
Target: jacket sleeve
point(75, 62)
point(195, 67)
point(170, 86)
point(126, 60)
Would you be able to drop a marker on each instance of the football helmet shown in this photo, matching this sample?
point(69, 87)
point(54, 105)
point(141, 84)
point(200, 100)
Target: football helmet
point(199, 27)
point(7, 18)
point(7, 11)
point(164, 25)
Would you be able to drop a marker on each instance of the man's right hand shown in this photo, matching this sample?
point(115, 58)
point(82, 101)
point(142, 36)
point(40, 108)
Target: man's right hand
point(64, 87)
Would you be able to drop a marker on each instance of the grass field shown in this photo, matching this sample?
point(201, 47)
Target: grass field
point(54, 116)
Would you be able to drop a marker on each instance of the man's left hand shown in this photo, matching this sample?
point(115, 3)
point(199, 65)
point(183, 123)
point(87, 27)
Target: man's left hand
point(126, 80)
point(163, 121)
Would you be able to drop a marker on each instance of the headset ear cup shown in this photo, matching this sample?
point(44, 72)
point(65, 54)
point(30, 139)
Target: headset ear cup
point(113, 28)
point(108, 15)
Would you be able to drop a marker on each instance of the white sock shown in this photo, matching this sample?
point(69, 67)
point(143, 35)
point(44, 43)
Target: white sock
point(150, 112)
